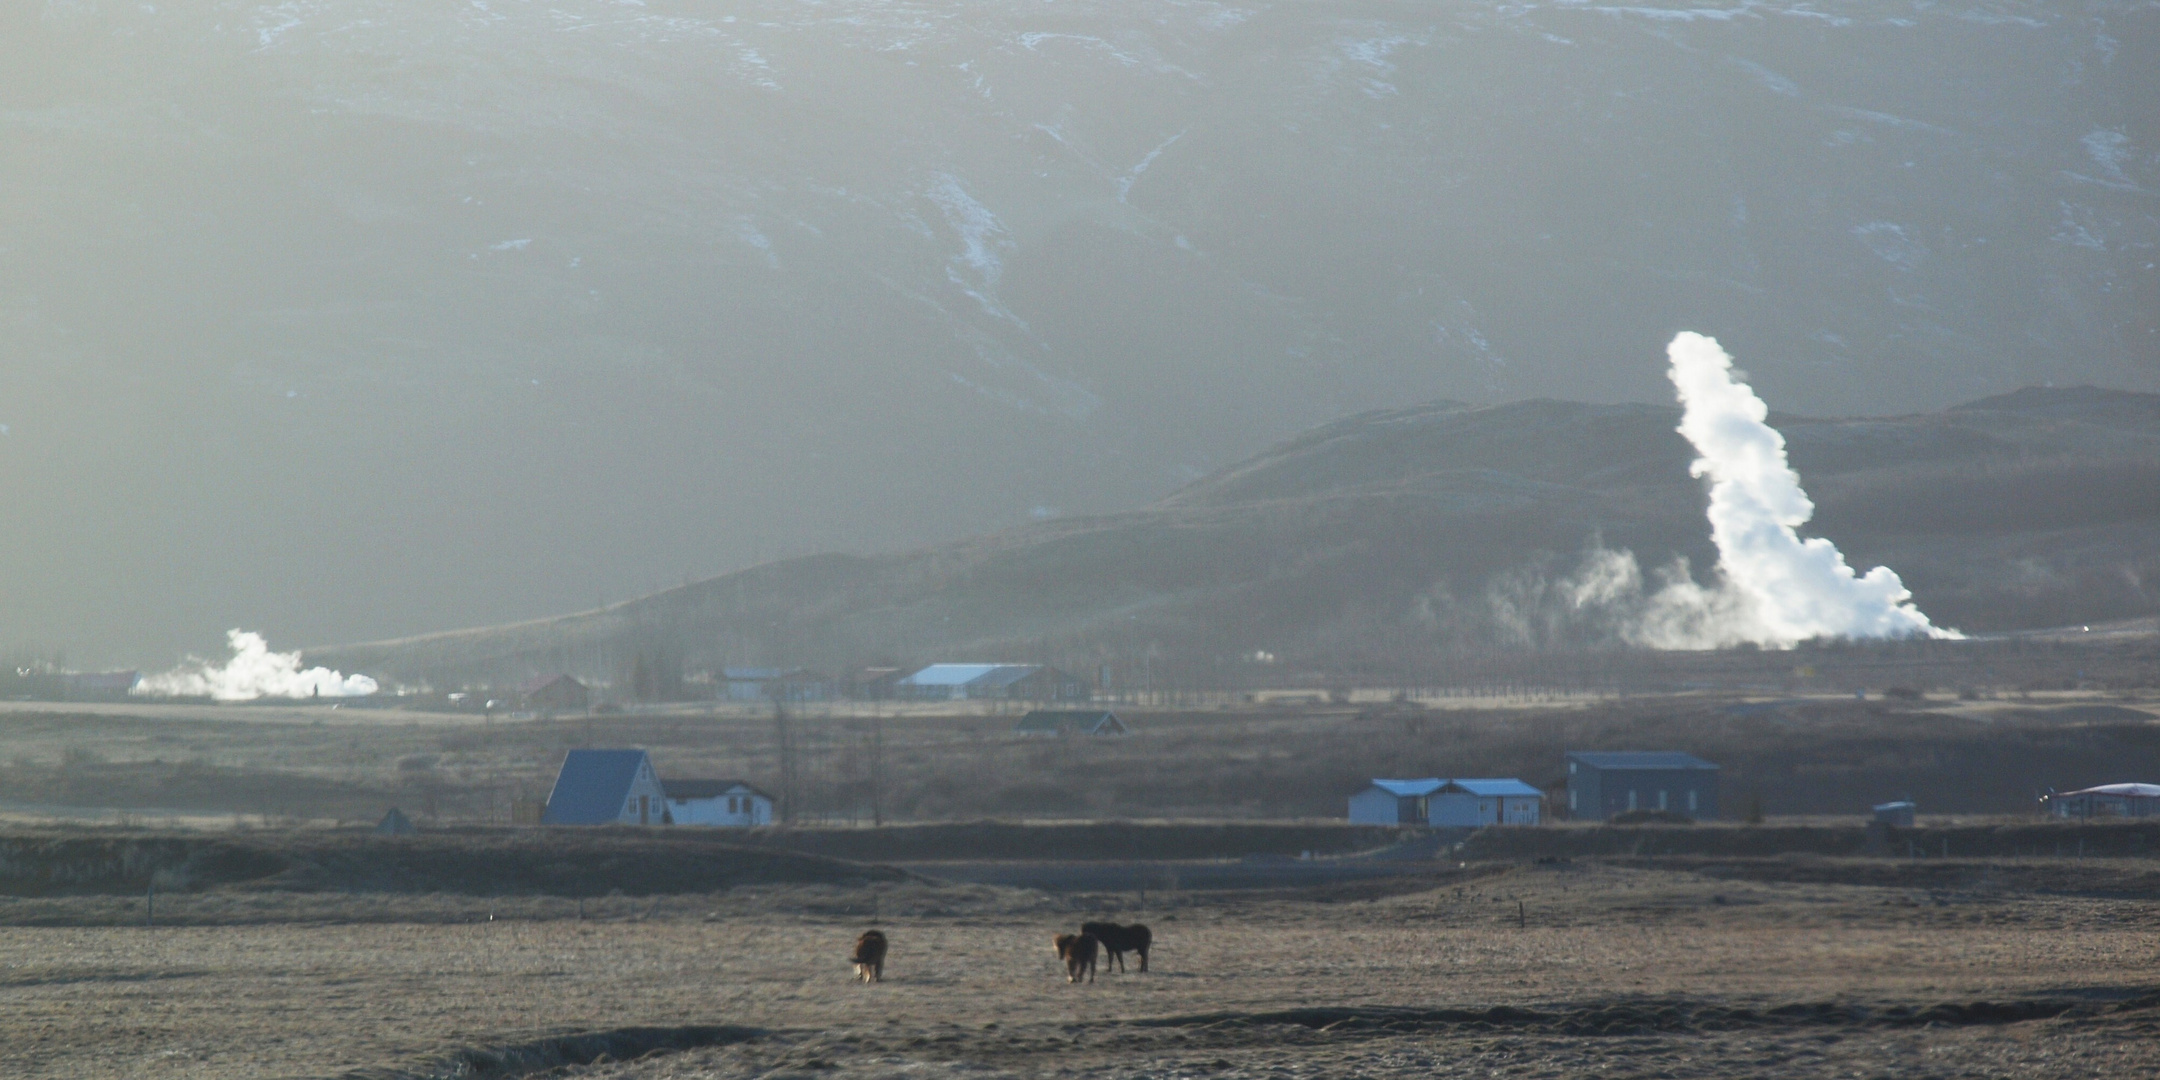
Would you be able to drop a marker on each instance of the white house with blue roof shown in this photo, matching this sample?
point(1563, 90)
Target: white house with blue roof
point(1434, 801)
point(607, 787)
point(956, 682)
point(1498, 801)
point(1393, 802)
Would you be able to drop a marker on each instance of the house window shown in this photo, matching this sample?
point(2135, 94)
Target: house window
point(1571, 800)
point(1691, 802)
point(1631, 798)
point(1661, 798)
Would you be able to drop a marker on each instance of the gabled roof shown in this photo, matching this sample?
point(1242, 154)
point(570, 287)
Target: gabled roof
point(753, 674)
point(1050, 721)
point(707, 789)
point(541, 682)
point(1410, 788)
point(591, 786)
point(2138, 791)
point(1639, 759)
point(965, 674)
point(1494, 788)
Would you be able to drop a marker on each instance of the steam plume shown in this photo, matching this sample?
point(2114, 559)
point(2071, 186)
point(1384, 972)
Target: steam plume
point(254, 672)
point(1775, 588)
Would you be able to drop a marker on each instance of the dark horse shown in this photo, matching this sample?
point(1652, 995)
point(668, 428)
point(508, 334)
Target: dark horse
point(869, 956)
point(1119, 940)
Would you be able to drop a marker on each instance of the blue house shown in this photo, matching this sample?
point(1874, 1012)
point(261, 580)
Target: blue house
point(1602, 783)
point(1394, 802)
point(1497, 801)
point(606, 787)
point(1433, 801)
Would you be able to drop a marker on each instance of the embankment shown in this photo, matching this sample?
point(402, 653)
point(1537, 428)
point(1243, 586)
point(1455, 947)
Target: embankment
point(2030, 839)
point(1080, 841)
point(490, 862)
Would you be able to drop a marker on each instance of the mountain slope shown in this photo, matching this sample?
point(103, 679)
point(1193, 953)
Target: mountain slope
point(1396, 531)
point(418, 302)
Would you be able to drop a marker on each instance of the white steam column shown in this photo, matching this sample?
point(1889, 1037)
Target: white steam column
point(1780, 589)
point(254, 672)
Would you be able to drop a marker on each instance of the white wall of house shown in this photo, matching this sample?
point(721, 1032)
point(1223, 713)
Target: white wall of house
point(740, 808)
point(1521, 809)
point(1456, 808)
point(645, 802)
point(1463, 809)
point(1375, 806)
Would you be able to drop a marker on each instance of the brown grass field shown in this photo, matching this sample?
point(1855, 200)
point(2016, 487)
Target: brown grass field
point(1582, 968)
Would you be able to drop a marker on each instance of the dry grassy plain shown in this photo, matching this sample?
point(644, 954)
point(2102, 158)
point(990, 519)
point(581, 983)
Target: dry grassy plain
point(1612, 971)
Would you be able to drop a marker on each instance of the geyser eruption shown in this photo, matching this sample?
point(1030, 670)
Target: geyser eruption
point(1774, 588)
point(254, 672)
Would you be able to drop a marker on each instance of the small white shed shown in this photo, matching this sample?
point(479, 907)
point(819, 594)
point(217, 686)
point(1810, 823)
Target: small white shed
point(1485, 802)
point(717, 802)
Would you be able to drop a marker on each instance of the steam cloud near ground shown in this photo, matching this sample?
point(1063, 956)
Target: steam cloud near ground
point(254, 672)
point(1770, 588)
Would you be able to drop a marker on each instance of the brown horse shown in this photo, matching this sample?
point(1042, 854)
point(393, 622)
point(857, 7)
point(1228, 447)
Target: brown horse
point(1078, 952)
point(870, 956)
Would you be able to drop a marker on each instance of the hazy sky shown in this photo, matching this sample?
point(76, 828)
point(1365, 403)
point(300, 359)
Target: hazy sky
point(340, 319)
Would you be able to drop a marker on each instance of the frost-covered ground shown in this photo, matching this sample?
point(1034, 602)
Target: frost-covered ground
point(1625, 972)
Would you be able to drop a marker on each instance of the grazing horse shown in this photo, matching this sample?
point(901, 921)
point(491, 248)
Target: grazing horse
point(870, 956)
point(1119, 940)
point(1078, 952)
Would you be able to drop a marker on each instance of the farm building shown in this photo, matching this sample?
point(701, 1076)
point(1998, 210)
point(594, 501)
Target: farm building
point(1058, 722)
point(870, 683)
point(1394, 802)
point(555, 693)
point(717, 802)
point(773, 684)
point(1602, 783)
point(2107, 800)
point(1485, 802)
point(1451, 803)
point(1020, 682)
point(606, 787)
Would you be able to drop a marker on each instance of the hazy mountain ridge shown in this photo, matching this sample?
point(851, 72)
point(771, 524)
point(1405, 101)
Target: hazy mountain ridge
point(419, 303)
point(1393, 528)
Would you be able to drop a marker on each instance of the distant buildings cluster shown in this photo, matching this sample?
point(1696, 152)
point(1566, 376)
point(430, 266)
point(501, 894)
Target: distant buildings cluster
point(557, 692)
point(1600, 785)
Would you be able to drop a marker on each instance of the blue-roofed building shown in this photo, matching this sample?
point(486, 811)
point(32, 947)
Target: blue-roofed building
point(957, 682)
point(1393, 802)
point(1434, 801)
point(1602, 783)
point(606, 787)
point(1478, 803)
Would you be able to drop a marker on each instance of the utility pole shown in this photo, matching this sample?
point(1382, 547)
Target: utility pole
point(877, 767)
point(785, 741)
